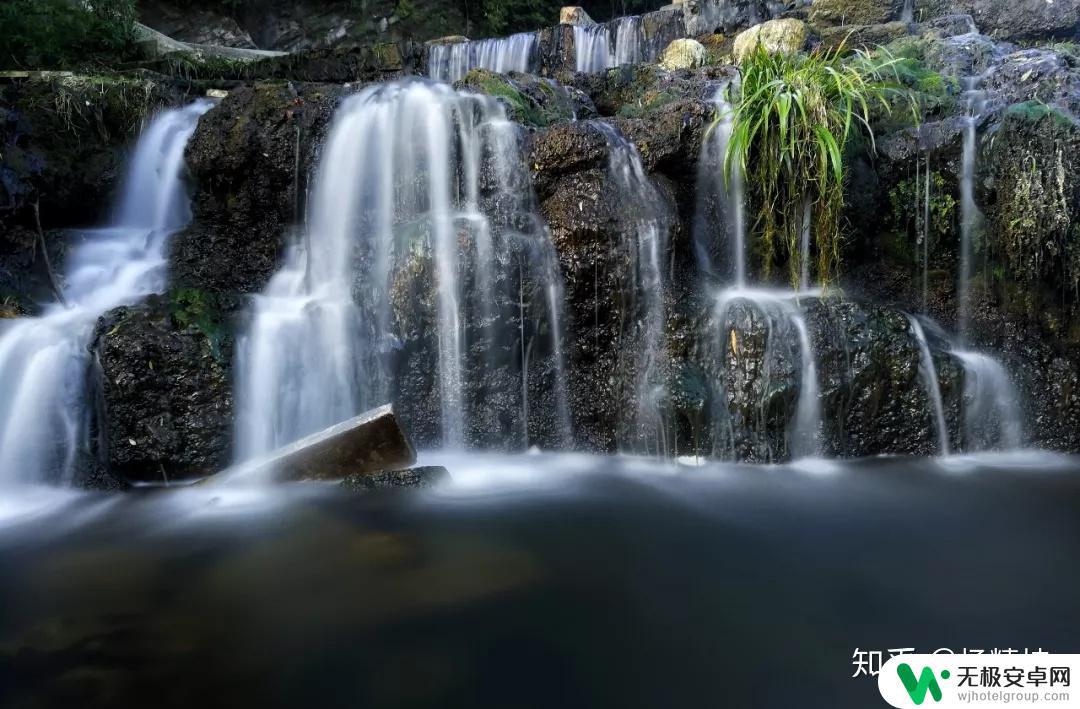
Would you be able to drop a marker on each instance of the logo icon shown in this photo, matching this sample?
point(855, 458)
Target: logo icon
point(918, 687)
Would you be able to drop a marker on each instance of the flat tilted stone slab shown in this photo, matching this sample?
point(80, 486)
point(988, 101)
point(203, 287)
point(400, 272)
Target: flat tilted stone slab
point(368, 443)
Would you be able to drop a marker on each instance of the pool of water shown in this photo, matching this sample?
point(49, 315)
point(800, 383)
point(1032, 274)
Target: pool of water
point(535, 581)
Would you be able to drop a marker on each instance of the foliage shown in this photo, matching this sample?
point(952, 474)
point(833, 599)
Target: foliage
point(196, 308)
point(51, 34)
point(793, 120)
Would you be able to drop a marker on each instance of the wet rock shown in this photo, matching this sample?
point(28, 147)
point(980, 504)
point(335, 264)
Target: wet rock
point(166, 387)
point(683, 54)
point(775, 36)
point(368, 443)
point(249, 158)
point(1023, 19)
point(422, 476)
point(950, 25)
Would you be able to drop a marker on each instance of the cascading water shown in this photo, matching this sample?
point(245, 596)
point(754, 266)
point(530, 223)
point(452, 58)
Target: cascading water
point(600, 47)
point(785, 323)
point(420, 209)
point(928, 373)
point(991, 412)
point(970, 216)
point(592, 48)
point(450, 62)
point(45, 410)
point(719, 216)
point(908, 13)
point(647, 221)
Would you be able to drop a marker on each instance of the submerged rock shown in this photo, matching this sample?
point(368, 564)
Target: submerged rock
point(421, 476)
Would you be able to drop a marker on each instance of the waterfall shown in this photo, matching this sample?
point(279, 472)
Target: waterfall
point(646, 221)
point(970, 216)
point(45, 362)
point(782, 313)
point(719, 216)
point(420, 206)
point(930, 381)
point(908, 13)
point(600, 47)
point(629, 41)
point(991, 413)
point(592, 48)
point(450, 62)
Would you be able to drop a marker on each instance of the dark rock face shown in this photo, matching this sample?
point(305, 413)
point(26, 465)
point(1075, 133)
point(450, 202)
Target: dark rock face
point(167, 394)
point(251, 158)
point(872, 396)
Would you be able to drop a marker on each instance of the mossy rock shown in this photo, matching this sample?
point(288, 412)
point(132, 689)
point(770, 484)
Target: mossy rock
point(527, 99)
point(683, 54)
point(831, 13)
point(1034, 237)
point(855, 37)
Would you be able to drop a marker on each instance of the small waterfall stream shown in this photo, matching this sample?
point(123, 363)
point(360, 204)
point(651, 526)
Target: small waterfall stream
point(647, 221)
point(719, 211)
point(928, 373)
point(970, 215)
point(45, 362)
point(786, 334)
point(420, 209)
point(450, 62)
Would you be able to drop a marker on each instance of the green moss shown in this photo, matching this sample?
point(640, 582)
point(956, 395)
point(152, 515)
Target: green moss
point(1036, 111)
point(192, 307)
point(907, 208)
point(545, 108)
point(648, 102)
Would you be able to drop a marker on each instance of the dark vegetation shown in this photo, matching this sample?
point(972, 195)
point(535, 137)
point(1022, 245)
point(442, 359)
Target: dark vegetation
point(54, 34)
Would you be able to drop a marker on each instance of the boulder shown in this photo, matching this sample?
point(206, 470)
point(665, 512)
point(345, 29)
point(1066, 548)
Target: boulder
point(683, 54)
point(250, 185)
point(420, 476)
point(575, 16)
point(775, 36)
point(368, 443)
point(166, 388)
